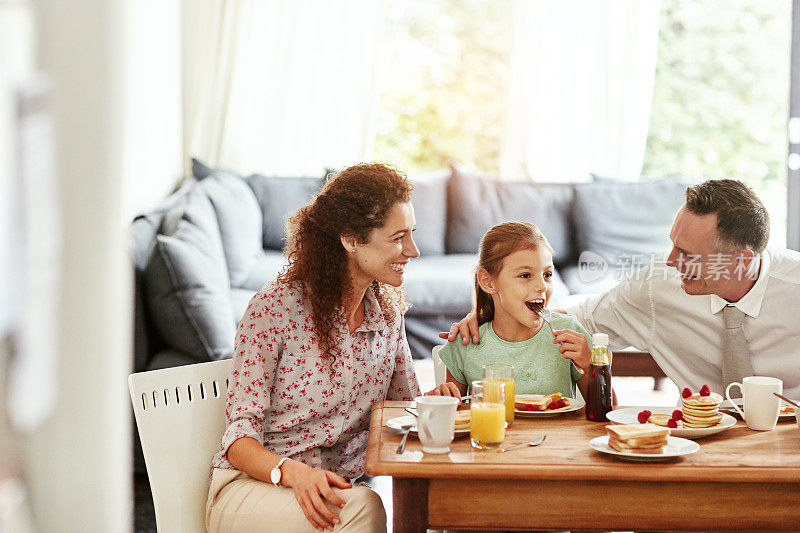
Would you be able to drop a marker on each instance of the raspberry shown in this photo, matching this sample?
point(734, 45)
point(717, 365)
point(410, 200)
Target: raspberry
point(677, 414)
point(705, 391)
point(686, 392)
point(643, 416)
point(671, 423)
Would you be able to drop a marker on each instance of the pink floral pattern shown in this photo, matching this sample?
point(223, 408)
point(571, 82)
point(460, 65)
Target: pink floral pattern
point(282, 392)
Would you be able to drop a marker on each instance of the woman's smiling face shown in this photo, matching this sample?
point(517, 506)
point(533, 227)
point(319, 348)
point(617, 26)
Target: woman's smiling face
point(385, 255)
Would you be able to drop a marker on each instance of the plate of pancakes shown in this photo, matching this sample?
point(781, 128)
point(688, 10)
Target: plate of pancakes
point(642, 442)
point(699, 415)
point(461, 426)
point(539, 405)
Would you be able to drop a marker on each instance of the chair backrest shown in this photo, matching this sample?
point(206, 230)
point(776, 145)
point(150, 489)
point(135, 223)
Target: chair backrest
point(439, 368)
point(180, 413)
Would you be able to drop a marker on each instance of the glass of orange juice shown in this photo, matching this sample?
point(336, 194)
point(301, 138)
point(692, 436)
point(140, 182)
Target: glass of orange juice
point(487, 414)
point(505, 373)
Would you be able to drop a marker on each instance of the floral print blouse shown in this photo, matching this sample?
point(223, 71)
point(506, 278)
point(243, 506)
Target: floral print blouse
point(281, 391)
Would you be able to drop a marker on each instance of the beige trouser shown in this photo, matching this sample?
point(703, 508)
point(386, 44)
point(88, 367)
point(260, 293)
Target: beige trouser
point(237, 502)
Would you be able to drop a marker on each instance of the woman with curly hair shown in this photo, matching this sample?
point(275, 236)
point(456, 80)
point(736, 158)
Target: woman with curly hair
point(314, 351)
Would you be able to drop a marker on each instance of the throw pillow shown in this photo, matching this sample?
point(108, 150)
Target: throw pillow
point(187, 284)
point(626, 222)
point(476, 203)
point(430, 211)
point(279, 199)
point(240, 223)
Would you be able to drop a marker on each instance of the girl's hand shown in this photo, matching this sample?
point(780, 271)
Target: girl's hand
point(573, 345)
point(312, 487)
point(446, 389)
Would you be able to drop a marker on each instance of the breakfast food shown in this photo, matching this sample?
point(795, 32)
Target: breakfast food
point(701, 410)
point(637, 438)
point(549, 402)
point(786, 410)
point(463, 418)
point(659, 419)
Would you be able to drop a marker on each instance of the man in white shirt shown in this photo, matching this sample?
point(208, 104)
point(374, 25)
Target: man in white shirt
point(674, 308)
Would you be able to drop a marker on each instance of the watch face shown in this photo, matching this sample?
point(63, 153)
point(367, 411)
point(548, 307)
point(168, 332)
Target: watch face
point(275, 475)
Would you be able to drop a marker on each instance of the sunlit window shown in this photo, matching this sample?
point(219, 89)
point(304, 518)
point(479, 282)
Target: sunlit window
point(720, 102)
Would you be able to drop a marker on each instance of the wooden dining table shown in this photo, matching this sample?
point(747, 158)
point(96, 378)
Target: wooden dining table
point(740, 479)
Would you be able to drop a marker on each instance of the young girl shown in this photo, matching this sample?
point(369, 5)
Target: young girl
point(513, 280)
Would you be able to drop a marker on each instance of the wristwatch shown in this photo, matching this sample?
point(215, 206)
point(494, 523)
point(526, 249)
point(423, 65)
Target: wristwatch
point(276, 474)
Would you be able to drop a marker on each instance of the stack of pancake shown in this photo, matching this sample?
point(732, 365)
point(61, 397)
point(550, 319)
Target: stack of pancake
point(637, 438)
point(462, 420)
point(701, 411)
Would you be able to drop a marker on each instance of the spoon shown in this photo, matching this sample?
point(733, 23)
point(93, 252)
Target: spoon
point(547, 317)
point(534, 442)
point(406, 430)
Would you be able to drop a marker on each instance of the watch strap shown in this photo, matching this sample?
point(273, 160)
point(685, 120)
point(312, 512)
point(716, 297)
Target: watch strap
point(278, 468)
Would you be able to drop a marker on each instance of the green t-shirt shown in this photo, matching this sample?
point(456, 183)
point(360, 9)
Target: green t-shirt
point(539, 368)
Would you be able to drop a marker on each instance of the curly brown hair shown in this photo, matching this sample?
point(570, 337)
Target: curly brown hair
point(353, 202)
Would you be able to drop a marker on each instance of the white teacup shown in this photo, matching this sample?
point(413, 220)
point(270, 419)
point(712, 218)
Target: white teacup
point(436, 422)
point(761, 406)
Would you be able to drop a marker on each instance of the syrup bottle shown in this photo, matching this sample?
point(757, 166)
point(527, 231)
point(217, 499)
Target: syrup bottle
point(598, 401)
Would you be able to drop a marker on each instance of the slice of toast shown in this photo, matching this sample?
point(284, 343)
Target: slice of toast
point(533, 403)
point(625, 432)
point(633, 446)
point(616, 446)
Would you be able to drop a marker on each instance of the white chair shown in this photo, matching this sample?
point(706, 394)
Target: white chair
point(439, 368)
point(180, 413)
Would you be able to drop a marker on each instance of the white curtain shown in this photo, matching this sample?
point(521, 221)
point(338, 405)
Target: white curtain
point(581, 88)
point(280, 87)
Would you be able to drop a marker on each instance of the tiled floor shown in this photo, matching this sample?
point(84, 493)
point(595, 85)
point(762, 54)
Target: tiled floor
point(630, 391)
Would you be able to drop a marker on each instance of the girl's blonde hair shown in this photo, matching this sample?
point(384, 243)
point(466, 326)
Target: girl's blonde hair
point(498, 243)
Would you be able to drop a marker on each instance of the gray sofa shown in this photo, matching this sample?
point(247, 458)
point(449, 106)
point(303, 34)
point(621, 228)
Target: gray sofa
point(212, 244)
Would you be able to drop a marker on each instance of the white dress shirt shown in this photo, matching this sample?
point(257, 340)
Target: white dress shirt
point(683, 333)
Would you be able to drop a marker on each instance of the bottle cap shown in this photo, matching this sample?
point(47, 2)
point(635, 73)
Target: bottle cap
point(600, 339)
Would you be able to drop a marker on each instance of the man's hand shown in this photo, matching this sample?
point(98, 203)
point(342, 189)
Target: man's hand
point(446, 389)
point(468, 328)
point(312, 487)
point(573, 345)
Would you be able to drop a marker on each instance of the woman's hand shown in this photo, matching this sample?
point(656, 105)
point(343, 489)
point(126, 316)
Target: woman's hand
point(446, 389)
point(312, 486)
point(573, 345)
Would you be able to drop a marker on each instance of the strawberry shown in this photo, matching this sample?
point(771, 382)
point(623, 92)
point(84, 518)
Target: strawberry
point(643, 416)
point(686, 392)
point(705, 391)
point(671, 423)
point(677, 414)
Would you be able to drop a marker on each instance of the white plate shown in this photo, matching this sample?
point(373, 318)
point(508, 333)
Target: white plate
point(400, 421)
point(675, 447)
point(574, 405)
point(726, 406)
point(629, 414)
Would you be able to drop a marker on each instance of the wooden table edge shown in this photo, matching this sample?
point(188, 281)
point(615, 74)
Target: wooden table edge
point(611, 472)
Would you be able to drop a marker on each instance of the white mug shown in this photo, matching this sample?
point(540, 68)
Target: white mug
point(436, 422)
point(761, 406)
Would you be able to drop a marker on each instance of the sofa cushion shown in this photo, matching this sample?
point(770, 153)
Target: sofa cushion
point(279, 199)
point(240, 223)
point(187, 282)
point(626, 222)
point(475, 204)
point(430, 210)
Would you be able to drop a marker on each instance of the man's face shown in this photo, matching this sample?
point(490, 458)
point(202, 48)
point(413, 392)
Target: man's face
point(703, 268)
